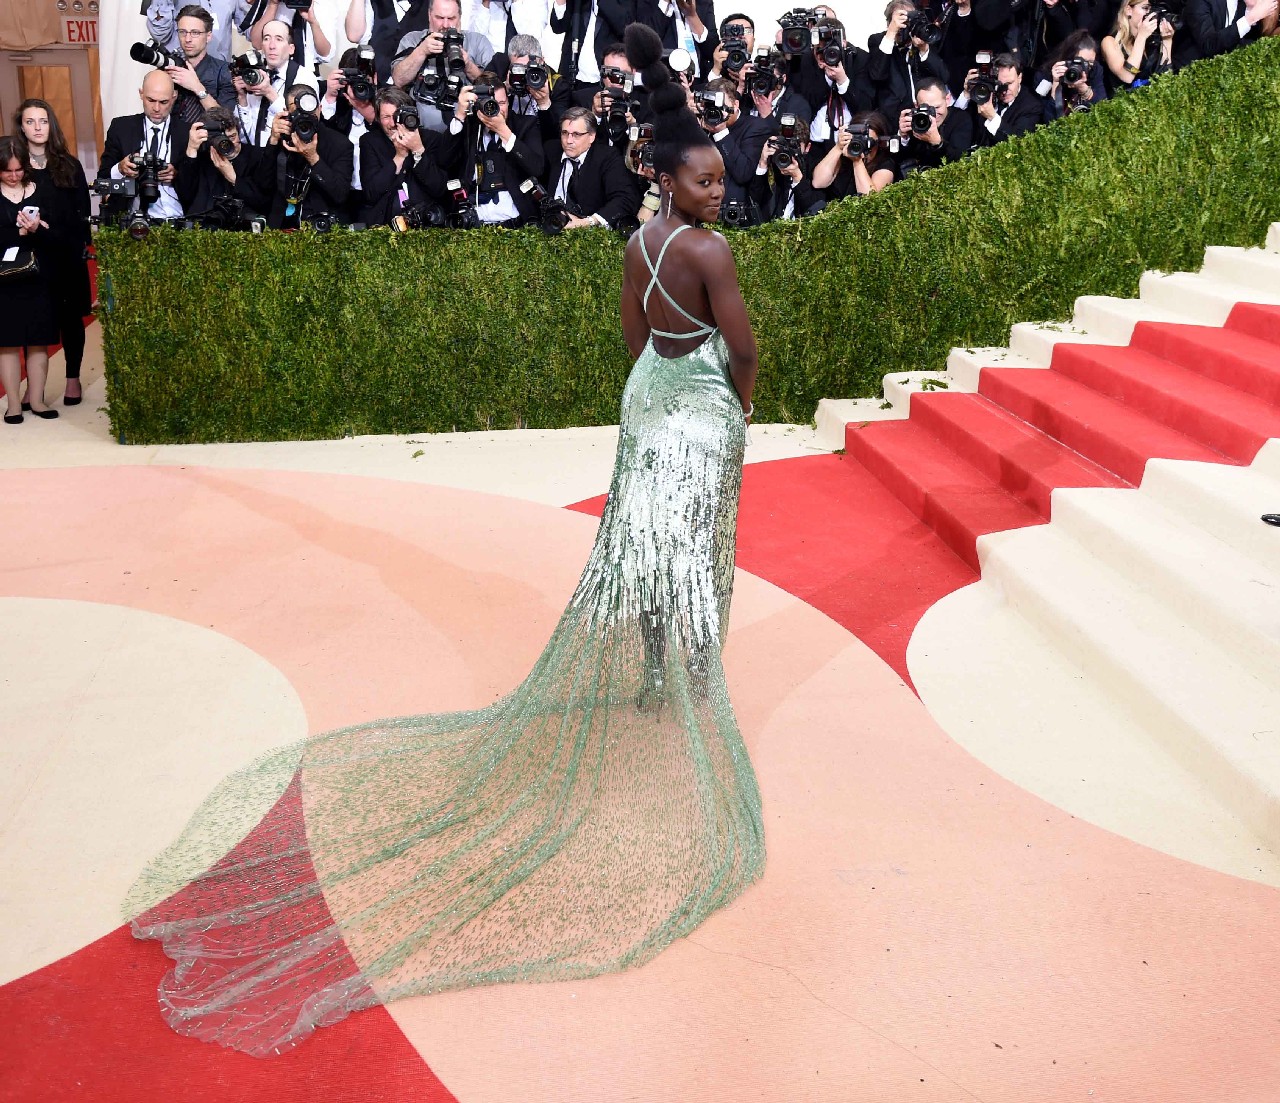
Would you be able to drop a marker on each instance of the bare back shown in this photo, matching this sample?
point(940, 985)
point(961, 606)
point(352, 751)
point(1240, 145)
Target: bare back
point(679, 275)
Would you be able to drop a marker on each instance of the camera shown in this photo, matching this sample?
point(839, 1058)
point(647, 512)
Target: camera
point(303, 118)
point(449, 91)
point(736, 56)
point(920, 25)
point(617, 104)
point(828, 42)
point(228, 213)
point(153, 53)
point(1077, 70)
point(764, 80)
point(786, 147)
point(486, 103)
point(922, 117)
point(419, 216)
point(619, 77)
point(454, 62)
point(225, 146)
point(553, 215)
point(464, 207)
point(983, 86)
point(795, 26)
point(250, 66)
point(524, 79)
point(123, 188)
point(680, 62)
point(1168, 10)
point(408, 118)
point(710, 107)
point(363, 78)
point(640, 151)
point(734, 212)
point(862, 142)
point(148, 167)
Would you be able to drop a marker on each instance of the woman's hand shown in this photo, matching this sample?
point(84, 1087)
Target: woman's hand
point(29, 225)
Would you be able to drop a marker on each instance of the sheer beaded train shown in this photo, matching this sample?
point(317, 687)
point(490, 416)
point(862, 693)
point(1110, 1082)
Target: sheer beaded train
point(577, 826)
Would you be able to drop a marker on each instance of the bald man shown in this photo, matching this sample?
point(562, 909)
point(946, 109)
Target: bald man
point(130, 138)
point(259, 104)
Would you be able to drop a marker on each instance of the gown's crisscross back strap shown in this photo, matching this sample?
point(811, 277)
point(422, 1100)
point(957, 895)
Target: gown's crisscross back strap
point(702, 329)
point(603, 808)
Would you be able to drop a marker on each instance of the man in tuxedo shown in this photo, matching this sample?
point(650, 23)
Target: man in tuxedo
point(1216, 26)
point(780, 99)
point(739, 25)
point(589, 175)
point(615, 76)
point(493, 154)
point(588, 26)
point(155, 132)
point(305, 179)
point(423, 48)
point(740, 139)
point(897, 61)
point(822, 84)
point(259, 105)
point(204, 174)
point(950, 133)
point(400, 165)
point(1011, 111)
point(352, 117)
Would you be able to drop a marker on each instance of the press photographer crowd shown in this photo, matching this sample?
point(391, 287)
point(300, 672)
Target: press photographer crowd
point(446, 117)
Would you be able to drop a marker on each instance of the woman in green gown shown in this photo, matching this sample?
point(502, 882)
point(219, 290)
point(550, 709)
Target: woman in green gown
point(578, 825)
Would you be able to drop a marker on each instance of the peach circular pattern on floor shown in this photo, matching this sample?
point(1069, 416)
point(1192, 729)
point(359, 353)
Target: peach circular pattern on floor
point(924, 929)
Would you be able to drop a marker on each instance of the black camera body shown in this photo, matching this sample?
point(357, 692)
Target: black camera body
point(786, 147)
point(736, 55)
point(795, 26)
point(922, 117)
point(620, 77)
point(464, 207)
point(420, 216)
point(921, 25)
point(1077, 70)
point(862, 142)
point(250, 66)
point(711, 107)
point(408, 118)
point(118, 189)
point(617, 105)
point(1169, 10)
point(451, 54)
point(764, 81)
point(735, 213)
point(486, 103)
point(225, 146)
point(362, 79)
point(553, 214)
point(828, 42)
point(303, 118)
point(152, 53)
point(524, 79)
point(147, 182)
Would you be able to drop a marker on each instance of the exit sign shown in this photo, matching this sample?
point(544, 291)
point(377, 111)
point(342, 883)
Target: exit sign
point(80, 32)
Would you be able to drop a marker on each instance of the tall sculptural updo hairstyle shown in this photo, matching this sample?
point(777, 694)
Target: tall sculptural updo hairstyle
point(675, 128)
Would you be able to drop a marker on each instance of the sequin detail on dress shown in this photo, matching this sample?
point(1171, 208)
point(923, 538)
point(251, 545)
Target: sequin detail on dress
point(578, 826)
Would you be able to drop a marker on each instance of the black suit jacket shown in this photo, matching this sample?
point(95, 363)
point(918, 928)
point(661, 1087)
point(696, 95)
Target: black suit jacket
point(740, 147)
point(956, 133)
point(894, 75)
point(381, 181)
point(603, 184)
point(330, 177)
point(198, 182)
point(124, 136)
point(612, 17)
point(808, 79)
point(1207, 27)
point(1020, 117)
point(648, 13)
point(770, 192)
point(458, 155)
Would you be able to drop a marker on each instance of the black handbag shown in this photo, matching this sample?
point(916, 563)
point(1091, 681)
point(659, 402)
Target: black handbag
point(25, 266)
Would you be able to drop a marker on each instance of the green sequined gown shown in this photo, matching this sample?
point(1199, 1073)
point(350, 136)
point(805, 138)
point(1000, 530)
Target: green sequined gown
point(579, 825)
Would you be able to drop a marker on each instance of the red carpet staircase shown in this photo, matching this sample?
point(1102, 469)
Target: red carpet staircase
point(970, 464)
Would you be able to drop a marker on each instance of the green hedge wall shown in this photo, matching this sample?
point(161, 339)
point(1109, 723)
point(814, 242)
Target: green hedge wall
point(221, 337)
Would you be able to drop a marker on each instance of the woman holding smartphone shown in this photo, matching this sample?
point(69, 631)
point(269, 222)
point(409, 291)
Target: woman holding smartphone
point(54, 167)
point(26, 303)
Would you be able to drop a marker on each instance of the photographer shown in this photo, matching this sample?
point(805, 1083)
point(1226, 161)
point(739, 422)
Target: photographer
point(306, 167)
point(783, 185)
point(312, 29)
point(401, 165)
point(347, 107)
point(528, 81)
point(769, 94)
point(740, 138)
point(835, 76)
point(900, 58)
point(1216, 26)
point(261, 82)
point(682, 24)
point(1001, 107)
point(858, 162)
point(1139, 48)
point(948, 135)
point(588, 176)
point(143, 145)
point(215, 164)
point(1072, 78)
point(731, 56)
point(225, 14)
point(205, 81)
point(615, 102)
point(493, 154)
point(427, 60)
point(380, 24)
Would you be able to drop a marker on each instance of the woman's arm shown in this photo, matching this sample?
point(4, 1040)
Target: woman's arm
point(635, 326)
point(730, 313)
point(824, 172)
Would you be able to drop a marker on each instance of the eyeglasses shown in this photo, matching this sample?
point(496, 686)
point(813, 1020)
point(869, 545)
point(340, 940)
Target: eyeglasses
point(191, 34)
point(574, 133)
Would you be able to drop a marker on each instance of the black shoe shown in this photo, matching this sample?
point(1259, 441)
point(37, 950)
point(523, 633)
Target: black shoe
point(26, 405)
point(13, 419)
point(1272, 519)
point(68, 400)
point(48, 415)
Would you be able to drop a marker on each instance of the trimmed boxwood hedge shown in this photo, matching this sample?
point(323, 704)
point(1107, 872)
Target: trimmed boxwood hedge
point(233, 337)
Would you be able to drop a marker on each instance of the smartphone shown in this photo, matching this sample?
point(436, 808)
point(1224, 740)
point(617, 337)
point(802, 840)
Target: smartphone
point(31, 212)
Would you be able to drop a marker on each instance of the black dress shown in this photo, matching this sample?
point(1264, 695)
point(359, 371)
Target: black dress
point(68, 270)
point(26, 306)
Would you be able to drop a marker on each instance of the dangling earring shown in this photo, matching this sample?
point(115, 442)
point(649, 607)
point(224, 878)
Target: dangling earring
point(668, 204)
